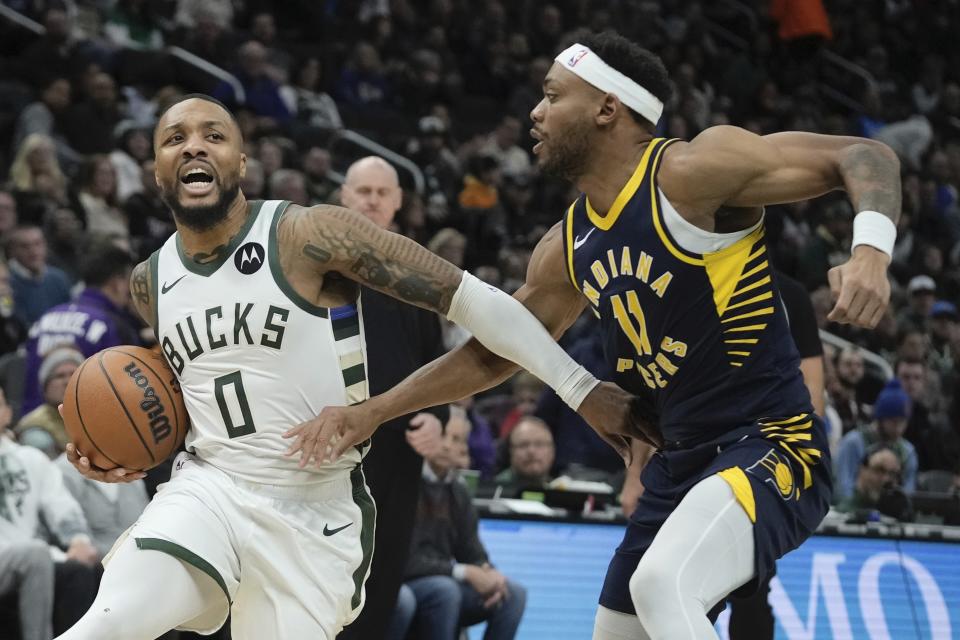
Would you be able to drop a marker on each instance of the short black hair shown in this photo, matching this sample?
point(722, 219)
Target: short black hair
point(102, 261)
point(876, 448)
point(640, 65)
point(201, 96)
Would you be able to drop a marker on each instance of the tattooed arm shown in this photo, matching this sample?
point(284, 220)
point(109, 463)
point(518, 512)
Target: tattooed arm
point(322, 240)
point(141, 291)
point(326, 239)
point(729, 166)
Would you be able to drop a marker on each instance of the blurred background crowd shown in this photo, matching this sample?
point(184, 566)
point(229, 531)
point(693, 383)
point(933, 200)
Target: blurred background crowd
point(442, 89)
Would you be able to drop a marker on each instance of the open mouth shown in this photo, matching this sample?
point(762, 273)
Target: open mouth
point(197, 181)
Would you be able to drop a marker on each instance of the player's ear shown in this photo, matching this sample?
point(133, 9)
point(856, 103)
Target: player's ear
point(243, 165)
point(608, 109)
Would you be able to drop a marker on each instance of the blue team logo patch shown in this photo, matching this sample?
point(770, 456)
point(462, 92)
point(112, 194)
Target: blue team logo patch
point(775, 470)
point(249, 258)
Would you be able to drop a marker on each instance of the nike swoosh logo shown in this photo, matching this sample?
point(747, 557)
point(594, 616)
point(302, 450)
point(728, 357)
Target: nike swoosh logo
point(165, 288)
point(578, 241)
point(327, 531)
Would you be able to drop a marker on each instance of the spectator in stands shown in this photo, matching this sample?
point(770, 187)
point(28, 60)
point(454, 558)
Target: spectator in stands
point(943, 323)
point(829, 245)
point(37, 180)
point(450, 582)
point(501, 145)
point(891, 413)
point(272, 154)
point(317, 171)
point(289, 184)
point(31, 491)
point(89, 125)
point(65, 237)
point(8, 212)
point(307, 101)
point(432, 154)
point(922, 291)
point(532, 454)
point(150, 220)
point(363, 83)
point(44, 423)
point(98, 198)
point(263, 29)
point(135, 147)
point(849, 374)
point(45, 116)
point(96, 320)
point(12, 331)
point(55, 51)
point(879, 471)
point(36, 285)
point(254, 182)
point(131, 23)
point(262, 92)
point(208, 35)
point(109, 509)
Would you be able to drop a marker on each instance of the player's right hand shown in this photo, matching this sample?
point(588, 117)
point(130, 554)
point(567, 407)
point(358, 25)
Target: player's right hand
point(860, 288)
point(82, 464)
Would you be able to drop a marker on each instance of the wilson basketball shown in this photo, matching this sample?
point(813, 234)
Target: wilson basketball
point(123, 408)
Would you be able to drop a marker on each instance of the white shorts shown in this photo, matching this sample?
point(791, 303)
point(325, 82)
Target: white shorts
point(290, 561)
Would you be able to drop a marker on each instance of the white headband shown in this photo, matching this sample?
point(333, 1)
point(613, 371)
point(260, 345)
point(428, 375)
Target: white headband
point(591, 68)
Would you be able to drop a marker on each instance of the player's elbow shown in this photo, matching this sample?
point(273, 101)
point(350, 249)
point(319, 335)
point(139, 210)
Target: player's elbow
point(879, 152)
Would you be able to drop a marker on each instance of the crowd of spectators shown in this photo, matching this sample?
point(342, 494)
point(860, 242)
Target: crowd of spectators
point(449, 84)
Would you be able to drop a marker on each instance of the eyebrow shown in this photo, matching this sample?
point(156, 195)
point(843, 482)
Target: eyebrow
point(206, 124)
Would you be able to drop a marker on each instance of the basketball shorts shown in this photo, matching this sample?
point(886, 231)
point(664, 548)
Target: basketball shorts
point(290, 561)
point(780, 472)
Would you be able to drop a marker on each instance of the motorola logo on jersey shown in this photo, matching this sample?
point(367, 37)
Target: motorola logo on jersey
point(249, 258)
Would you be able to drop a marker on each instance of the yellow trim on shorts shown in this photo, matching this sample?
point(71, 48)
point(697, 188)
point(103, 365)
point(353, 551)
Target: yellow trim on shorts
point(742, 490)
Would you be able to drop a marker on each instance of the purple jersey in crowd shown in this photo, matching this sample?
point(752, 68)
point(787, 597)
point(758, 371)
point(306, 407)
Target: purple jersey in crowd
point(91, 323)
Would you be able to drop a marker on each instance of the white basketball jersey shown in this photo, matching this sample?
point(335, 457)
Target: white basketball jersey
point(253, 357)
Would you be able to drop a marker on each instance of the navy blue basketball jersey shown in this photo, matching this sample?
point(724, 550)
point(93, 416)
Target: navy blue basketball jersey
point(704, 337)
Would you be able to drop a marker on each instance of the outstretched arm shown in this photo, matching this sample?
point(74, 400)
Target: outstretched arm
point(552, 300)
point(728, 166)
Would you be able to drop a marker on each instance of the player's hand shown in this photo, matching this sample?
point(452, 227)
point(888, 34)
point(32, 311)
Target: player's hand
point(324, 438)
point(82, 464)
point(860, 288)
point(617, 416)
point(82, 551)
point(425, 435)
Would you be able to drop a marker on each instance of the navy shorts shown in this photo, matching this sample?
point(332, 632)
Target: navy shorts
point(780, 472)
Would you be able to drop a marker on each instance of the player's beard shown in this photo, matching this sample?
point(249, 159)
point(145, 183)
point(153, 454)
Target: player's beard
point(203, 217)
point(568, 152)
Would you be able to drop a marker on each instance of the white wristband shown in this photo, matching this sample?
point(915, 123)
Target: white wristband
point(505, 327)
point(875, 230)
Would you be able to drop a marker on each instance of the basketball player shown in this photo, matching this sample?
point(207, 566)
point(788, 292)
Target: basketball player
point(243, 301)
point(665, 245)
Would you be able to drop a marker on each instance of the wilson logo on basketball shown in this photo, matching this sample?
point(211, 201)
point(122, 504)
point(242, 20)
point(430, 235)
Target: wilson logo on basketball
point(150, 405)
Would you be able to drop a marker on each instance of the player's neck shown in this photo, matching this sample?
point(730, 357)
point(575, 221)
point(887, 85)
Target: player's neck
point(205, 245)
point(608, 172)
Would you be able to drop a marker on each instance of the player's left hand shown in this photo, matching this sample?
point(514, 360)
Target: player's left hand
point(860, 288)
point(324, 438)
point(425, 435)
point(617, 416)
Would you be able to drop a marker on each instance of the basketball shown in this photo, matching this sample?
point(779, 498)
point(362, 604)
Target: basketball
point(123, 408)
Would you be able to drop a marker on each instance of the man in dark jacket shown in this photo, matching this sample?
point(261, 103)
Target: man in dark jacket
point(449, 581)
point(400, 339)
point(96, 320)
